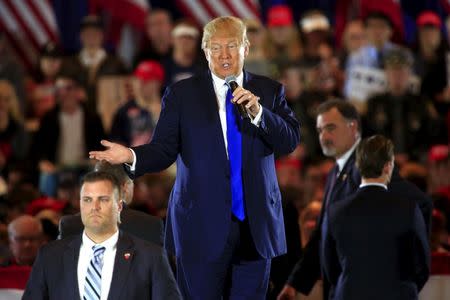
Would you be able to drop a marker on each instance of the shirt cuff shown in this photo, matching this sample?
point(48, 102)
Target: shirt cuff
point(257, 120)
point(133, 165)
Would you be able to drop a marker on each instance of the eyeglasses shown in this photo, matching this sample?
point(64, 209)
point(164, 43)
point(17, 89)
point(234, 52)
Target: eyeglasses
point(217, 48)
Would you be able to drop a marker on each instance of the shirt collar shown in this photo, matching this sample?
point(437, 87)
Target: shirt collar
point(88, 60)
point(373, 184)
point(219, 82)
point(110, 243)
point(343, 159)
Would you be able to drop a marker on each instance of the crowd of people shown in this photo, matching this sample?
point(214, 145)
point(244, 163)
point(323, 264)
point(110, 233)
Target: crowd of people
point(52, 117)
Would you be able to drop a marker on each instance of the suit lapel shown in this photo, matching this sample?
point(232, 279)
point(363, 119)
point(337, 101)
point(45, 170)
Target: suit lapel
point(70, 261)
point(209, 97)
point(124, 258)
point(248, 129)
point(342, 178)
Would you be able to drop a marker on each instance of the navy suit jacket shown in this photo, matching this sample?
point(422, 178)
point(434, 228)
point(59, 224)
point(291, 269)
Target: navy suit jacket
point(139, 224)
point(189, 132)
point(308, 269)
point(375, 246)
point(145, 275)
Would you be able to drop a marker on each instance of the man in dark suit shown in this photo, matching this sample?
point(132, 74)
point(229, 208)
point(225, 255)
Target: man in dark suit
point(339, 129)
point(139, 224)
point(225, 219)
point(375, 244)
point(102, 262)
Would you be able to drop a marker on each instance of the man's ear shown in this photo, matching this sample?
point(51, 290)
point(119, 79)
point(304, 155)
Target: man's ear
point(206, 54)
point(387, 167)
point(120, 205)
point(246, 50)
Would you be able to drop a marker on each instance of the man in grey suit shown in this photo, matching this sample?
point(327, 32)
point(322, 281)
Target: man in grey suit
point(103, 262)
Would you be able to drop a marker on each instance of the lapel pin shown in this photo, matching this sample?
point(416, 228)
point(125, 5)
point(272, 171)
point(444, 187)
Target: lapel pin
point(127, 256)
point(344, 176)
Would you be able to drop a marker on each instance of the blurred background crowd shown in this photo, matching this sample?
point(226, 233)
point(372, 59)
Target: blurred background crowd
point(393, 65)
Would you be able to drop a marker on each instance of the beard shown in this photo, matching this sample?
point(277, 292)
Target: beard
point(328, 150)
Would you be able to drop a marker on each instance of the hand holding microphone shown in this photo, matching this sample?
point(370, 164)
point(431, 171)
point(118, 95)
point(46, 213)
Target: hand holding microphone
point(244, 99)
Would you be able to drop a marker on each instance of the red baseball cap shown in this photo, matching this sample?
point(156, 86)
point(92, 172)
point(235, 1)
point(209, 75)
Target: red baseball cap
point(149, 70)
point(428, 18)
point(438, 153)
point(279, 15)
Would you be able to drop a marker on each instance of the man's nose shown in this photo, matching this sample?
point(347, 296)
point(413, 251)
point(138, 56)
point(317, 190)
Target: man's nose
point(323, 135)
point(224, 52)
point(96, 205)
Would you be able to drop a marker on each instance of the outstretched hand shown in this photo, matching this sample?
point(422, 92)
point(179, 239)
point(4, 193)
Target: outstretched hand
point(287, 293)
point(114, 153)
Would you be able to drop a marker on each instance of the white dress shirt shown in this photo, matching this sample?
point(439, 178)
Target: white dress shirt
point(71, 146)
point(343, 159)
point(220, 88)
point(373, 184)
point(86, 254)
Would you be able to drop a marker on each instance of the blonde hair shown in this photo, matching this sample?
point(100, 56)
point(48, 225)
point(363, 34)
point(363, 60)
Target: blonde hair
point(228, 23)
point(6, 89)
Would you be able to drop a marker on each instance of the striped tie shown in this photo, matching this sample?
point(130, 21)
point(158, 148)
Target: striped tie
point(93, 284)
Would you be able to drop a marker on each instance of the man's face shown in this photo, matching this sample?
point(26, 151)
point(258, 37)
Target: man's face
point(430, 36)
point(336, 134)
point(159, 27)
point(50, 66)
point(186, 44)
point(66, 92)
point(225, 54)
point(398, 79)
point(378, 31)
point(281, 35)
point(91, 37)
point(292, 80)
point(25, 242)
point(355, 36)
point(99, 207)
point(149, 88)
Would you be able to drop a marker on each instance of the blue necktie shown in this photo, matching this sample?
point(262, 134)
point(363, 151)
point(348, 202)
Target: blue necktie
point(93, 283)
point(235, 157)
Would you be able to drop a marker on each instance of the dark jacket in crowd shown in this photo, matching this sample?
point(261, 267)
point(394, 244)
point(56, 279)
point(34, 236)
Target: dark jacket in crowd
point(375, 246)
point(45, 142)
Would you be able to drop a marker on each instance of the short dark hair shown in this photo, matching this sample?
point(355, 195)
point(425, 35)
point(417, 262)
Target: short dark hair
point(96, 176)
point(372, 154)
point(378, 15)
point(346, 109)
point(117, 171)
point(71, 75)
point(91, 21)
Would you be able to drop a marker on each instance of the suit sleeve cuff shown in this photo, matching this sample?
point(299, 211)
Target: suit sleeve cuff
point(257, 119)
point(133, 165)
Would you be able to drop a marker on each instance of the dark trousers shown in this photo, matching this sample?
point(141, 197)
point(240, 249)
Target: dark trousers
point(240, 273)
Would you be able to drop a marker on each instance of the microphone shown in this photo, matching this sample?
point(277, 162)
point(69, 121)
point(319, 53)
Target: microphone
point(231, 82)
